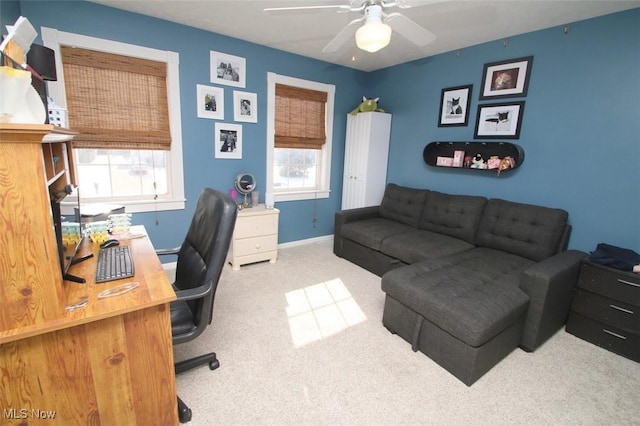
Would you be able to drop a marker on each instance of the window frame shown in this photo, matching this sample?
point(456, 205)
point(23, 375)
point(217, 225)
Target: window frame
point(175, 200)
point(324, 190)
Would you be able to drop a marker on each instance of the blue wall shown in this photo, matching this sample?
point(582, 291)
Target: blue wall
point(200, 167)
point(9, 13)
point(580, 128)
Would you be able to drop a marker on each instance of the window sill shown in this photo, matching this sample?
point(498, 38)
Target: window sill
point(133, 206)
point(300, 195)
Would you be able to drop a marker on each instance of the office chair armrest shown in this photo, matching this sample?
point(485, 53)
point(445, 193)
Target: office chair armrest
point(161, 252)
point(193, 293)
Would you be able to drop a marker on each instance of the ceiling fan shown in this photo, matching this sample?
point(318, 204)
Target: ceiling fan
point(377, 25)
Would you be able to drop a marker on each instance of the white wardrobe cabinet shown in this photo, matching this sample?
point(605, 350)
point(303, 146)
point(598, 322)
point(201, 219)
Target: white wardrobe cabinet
point(365, 159)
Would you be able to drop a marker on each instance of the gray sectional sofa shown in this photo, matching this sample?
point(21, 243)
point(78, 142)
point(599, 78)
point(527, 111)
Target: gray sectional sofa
point(467, 279)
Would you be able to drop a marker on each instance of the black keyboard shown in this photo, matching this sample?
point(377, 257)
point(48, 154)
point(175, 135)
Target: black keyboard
point(114, 263)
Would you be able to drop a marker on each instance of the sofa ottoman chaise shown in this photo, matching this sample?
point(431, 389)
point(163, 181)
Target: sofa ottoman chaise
point(467, 279)
point(462, 311)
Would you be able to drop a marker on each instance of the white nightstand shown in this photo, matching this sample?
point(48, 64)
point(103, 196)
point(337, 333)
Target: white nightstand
point(255, 237)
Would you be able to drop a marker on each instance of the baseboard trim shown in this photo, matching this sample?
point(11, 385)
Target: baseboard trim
point(325, 239)
point(169, 266)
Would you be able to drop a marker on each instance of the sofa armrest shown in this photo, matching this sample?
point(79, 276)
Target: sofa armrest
point(549, 285)
point(351, 215)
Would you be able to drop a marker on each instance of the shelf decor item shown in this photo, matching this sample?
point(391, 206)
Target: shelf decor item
point(499, 121)
point(506, 79)
point(454, 106)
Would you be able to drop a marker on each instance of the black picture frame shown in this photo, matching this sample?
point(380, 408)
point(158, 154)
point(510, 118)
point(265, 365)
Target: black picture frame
point(506, 79)
point(455, 114)
point(499, 120)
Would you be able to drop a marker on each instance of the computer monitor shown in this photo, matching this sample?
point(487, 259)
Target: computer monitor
point(67, 253)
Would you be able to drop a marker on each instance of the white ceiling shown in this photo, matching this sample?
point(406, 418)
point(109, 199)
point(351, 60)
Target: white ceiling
point(456, 24)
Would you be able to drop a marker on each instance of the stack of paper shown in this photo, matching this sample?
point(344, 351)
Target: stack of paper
point(18, 41)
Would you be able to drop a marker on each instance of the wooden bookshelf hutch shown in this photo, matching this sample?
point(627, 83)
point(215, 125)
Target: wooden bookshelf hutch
point(108, 363)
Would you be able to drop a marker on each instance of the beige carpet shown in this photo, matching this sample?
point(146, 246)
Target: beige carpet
point(302, 342)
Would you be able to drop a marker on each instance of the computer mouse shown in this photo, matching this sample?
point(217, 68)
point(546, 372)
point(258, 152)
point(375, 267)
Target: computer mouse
point(110, 243)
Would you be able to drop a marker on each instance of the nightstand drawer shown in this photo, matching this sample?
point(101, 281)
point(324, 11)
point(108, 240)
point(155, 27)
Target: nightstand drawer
point(249, 246)
point(608, 311)
point(611, 338)
point(256, 225)
point(612, 283)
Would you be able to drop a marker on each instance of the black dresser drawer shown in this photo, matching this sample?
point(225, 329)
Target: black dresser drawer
point(609, 282)
point(611, 338)
point(608, 311)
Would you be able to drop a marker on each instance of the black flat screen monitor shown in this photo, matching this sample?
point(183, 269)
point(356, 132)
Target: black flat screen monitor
point(67, 253)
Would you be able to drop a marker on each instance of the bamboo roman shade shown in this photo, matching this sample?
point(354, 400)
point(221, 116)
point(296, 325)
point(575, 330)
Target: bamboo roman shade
point(115, 101)
point(300, 118)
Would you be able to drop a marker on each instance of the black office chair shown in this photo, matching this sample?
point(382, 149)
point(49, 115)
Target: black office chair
point(200, 261)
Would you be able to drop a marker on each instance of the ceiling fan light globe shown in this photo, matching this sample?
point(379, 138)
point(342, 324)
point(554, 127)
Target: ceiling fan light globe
point(373, 36)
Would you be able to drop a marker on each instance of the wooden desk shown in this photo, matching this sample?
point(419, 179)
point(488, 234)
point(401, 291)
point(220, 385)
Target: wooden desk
point(109, 363)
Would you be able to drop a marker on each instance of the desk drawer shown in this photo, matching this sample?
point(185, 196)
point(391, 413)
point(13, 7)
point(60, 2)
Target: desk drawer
point(611, 338)
point(608, 311)
point(612, 283)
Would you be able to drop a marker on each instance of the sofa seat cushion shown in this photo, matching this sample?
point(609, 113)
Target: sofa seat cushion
point(472, 295)
point(417, 245)
point(372, 232)
point(534, 232)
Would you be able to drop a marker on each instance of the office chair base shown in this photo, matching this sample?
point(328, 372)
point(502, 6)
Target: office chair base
point(191, 363)
point(184, 412)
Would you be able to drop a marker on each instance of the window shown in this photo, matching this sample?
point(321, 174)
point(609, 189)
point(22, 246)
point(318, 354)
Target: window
point(129, 154)
point(296, 169)
point(299, 138)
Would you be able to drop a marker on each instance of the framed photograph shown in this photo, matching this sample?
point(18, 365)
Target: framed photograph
point(454, 106)
point(228, 141)
point(499, 121)
point(210, 102)
point(506, 79)
point(245, 107)
point(228, 69)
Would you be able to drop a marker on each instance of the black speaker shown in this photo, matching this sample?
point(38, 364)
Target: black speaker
point(43, 61)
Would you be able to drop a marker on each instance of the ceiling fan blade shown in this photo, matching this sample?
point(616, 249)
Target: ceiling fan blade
point(407, 4)
point(343, 36)
point(409, 29)
point(339, 7)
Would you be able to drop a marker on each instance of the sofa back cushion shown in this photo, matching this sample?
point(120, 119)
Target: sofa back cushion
point(403, 204)
point(534, 232)
point(455, 215)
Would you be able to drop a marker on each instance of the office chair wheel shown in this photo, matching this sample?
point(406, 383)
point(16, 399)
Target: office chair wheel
point(214, 364)
point(185, 416)
point(184, 412)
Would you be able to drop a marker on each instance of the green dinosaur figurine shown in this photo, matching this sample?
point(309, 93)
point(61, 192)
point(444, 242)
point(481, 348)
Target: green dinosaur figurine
point(367, 105)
